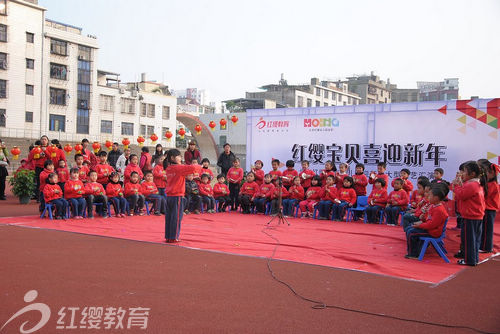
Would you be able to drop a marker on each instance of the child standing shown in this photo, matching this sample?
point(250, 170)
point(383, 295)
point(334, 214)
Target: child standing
point(131, 168)
point(207, 193)
point(376, 201)
point(83, 170)
point(313, 194)
point(48, 168)
point(221, 193)
point(404, 174)
point(53, 194)
point(306, 175)
point(341, 175)
point(176, 174)
point(192, 196)
point(205, 168)
point(258, 171)
point(346, 197)
point(159, 175)
point(397, 202)
point(360, 180)
point(133, 194)
point(247, 192)
point(62, 174)
point(296, 194)
point(264, 194)
point(96, 194)
point(438, 176)
point(234, 177)
point(74, 191)
point(103, 169)
point(328, 197)
point(492, 205)
point(330, 169)
point(114, 191)
point(151, 194)
point(289, 174)
point(275, 173)
point(381, 166)
point(275, 199)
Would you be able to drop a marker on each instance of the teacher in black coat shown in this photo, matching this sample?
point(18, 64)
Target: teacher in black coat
point(226, 159)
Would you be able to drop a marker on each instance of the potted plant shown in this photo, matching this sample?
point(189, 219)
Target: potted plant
point(23, 185)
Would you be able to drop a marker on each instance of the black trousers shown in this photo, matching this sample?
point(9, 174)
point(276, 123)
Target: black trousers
point(234, 191)
point(224, 201)
point(3, 178)
point(102, 209)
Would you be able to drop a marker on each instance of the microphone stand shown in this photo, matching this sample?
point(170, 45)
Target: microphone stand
point(279, 215)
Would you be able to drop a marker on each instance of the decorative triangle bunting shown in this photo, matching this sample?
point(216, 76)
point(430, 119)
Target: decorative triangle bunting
point(491, 155)
point(443, 109)
point(463, 129)
point(472, 124)
point(494, 134)
point(462, 119)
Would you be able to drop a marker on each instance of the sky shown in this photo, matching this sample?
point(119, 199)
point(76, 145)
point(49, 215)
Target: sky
point(230, 47)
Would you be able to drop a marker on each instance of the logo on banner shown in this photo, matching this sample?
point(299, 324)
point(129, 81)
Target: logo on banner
point(272, 126)
point(321, 124)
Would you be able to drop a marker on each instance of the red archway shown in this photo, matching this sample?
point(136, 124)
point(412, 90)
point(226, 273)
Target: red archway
point(206, 141)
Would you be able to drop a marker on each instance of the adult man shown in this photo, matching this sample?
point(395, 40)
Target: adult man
point(226, 159)
point(122, 162)
point(114, 155)
point(192, 153)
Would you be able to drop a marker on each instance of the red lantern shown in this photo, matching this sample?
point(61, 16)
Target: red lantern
point(96, 146)
point(36, 152)
point(197, 128)
point(168, 134)
point(223, 123)
point(52, 151)
point(212, 125)
point(15, 152)
point(182, 132)
point(141, 140)
point(125, 143)
point(78, 148)
point(68, 149)
point(109, 145)
point(153, 138)
point(234, 119)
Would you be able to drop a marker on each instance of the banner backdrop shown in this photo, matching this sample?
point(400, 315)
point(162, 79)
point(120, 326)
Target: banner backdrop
point(420, 136)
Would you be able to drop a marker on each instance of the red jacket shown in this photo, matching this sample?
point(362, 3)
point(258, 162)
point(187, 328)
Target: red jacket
point(129, 170)
point(314, 193)
point(306, 183)
point(360, 183)
point(339, 180)
point(296, 192)
point(148, 188)
point(59, 156)
point(94, 188)
point(63, 174)
point(259, 176)
point(235, 175)
point(265, 190)
point(347, 194)
point(207, 171)
point(51, 192)
point(288, 176)
point(43, 178)
point(435, 219)
point(103, 172)
point(276, 193)
point(379, 197)
point(160, 176)
point(380, 176)
point(41, 160)
point(401, 198)
point(74, 189)
point(132, 189)
point(274, 175)
point(471, 197)
point(90, 157)
point(114, 190)
point(206, 189)
point(221, 189)
point(407, 186)
point(325, 173)
point(83, 173)
point(176, 178)
point(415, 198)
point(422, 207)
point(189, 156)
point(145, 162)
point(329, 193)
point(493, 198)
point(249, 189)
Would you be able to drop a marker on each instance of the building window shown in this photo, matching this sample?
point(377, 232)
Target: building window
point(107, 102)
point(3, 7)
point(57, 123)
point(84, 71)
point(28, 117)
point(30, 89)
point(165, 114)
point(151, 110)
point(3, 120)
point(318, 92)
point(317, 103)
point(222, 140)
point(142, 130)
point(58, 71)
point(309, 103)
point(334, 96)
point(144, 109)
point(3, 61)
point(151, 130)
point(57, 96)
point(58, 47)
point(84, 53)
point(82, 121)
point(106, 126)
point(30, 37)
point(3, 88)
point(339, 97)
point(127, 129)
point(325, 104)
point(163, 131)
point(147, 110)
point(300, 101)
point(3, 33)
point(326, 94)
point(349, 100)
point(83, 96)
point(30, 63)
point(128, 105)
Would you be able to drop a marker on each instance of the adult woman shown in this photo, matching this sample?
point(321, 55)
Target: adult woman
point(4, 162)
point(192, 153)
point(39, 161)
point(158, 151)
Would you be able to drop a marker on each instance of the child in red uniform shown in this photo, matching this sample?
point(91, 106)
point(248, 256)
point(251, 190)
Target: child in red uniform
point(264, 194)
point(407, 185)
point(289, 174)
point(160, 176)
point(295, 195)
point(381, 166)
point(469, 190)
point(103, 169)
point(330, 169)
point(176, 174)
point(328, 197)
point(234, 177)
point(53, 195)
point(95, 193)
point(397, 202)
point(74, 191)
point(492, 202)
point(205, 168)
point(132, 167)
point(418, 194)
point(376, 201)
point(275, 200)
point(346, 197)
point(62, 174)
point(207, 193)
point(306, 175)
point(341, 175)
point(431, 226)
point(418, 201)
point(360, 180)
point(83, 170)
point(48, 168)
point(275, 173)
point(151, 194)
point(133, 195)
point(114, 191)
point(221, 193)
point(247, 192)
point(313, 195)
point(258, 171)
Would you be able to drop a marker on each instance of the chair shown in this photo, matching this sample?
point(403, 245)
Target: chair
point(47, 208)
point(146, 204)
point(361, 205)
point(109, 207)
point(268, 209)
point(296, 209)
point(437, 243)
